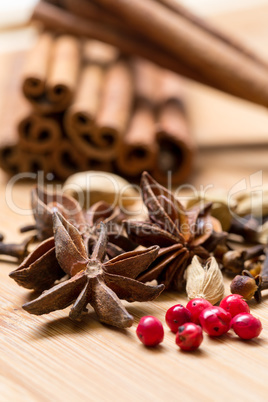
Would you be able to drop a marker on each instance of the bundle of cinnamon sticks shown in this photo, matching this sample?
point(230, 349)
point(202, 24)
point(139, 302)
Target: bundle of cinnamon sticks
point(87, 106)
point(167, 34)
point(105, 107)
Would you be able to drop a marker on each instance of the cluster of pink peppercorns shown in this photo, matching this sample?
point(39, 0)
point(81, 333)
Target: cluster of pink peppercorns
point(189, 322)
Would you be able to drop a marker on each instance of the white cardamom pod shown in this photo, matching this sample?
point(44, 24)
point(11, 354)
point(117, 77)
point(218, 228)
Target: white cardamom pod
point(204, 281)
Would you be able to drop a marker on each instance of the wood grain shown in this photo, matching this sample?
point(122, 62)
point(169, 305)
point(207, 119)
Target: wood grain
point(51, 358)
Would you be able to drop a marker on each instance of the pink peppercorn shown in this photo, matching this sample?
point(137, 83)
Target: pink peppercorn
point(215, 321)
point(246, 326)
point(176, 316)
point(150, 331)
point(196, 306)
point(189, 336)
point(234, 304)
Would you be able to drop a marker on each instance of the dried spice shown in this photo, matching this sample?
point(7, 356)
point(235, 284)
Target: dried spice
point(250, 286)
point(205, 281)
point(16, 250)
point(43, 203)
point(93, 281)
point(180, 233)
point(118, 242)
point(40, 269)
point(221, 207)
point(234, 260)
point(94, 186)
point(245, 203)
point(248, 228)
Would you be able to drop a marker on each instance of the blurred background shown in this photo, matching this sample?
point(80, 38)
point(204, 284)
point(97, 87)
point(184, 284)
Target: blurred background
point(229, 132)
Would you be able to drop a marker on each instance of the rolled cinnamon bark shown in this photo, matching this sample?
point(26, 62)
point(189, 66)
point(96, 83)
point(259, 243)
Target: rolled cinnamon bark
point(63, 74)
point(10, 102)
point(213, 30)
point(66, 160)
point(34, 163)
point(10, 160)
point(175, 144)
point(36, 67)
point(39, 134)
point(80, 117)
point(57, 62)
point(222, 66)
point(115, 110)
point(88, 9)
point(57, 19)
point(138, 148)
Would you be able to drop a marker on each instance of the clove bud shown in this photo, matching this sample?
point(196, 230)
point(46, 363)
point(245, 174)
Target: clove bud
point(234, 260)
point(18, 251)
point(249, 286)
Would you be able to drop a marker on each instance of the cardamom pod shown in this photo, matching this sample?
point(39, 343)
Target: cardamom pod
point(204, 281)
point(93, 186)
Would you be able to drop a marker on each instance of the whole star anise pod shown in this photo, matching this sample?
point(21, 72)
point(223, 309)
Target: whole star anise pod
point(93, 281)
point(118, 242)
point(43, 203)
point(40, 269)
point(180, 233)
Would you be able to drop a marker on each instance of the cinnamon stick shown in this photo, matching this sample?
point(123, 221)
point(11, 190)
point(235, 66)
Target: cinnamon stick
point(38, 134)
point(175, 144)
point(66, 160)
point(92, 11)
point(63, 74)
point(174, 5)
point(9, 156)
point(34, 163)
point(53, 65)
point(221, 65)
point(36, 67)
point(80, 117)
point(115, 110)
point(138, 149)
point(59, 20)
point(10, 81)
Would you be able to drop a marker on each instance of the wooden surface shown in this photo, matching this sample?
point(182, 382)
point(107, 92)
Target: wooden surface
point(50, 358)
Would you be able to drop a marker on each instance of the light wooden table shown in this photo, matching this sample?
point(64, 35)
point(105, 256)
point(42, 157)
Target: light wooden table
point(50, 358)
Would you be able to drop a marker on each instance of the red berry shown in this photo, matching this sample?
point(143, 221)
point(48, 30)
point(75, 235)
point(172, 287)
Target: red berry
point(234, 304)
point(150, 331)
point(196, 306)
point(189, 336)
point(176, 316)
point(246, 326)
point(215, 321)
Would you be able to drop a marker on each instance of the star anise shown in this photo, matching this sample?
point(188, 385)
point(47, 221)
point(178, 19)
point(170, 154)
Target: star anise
point(93, 281)
point(180, 233)
point(40, 269)
point(118, 242)
point(43, 203)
